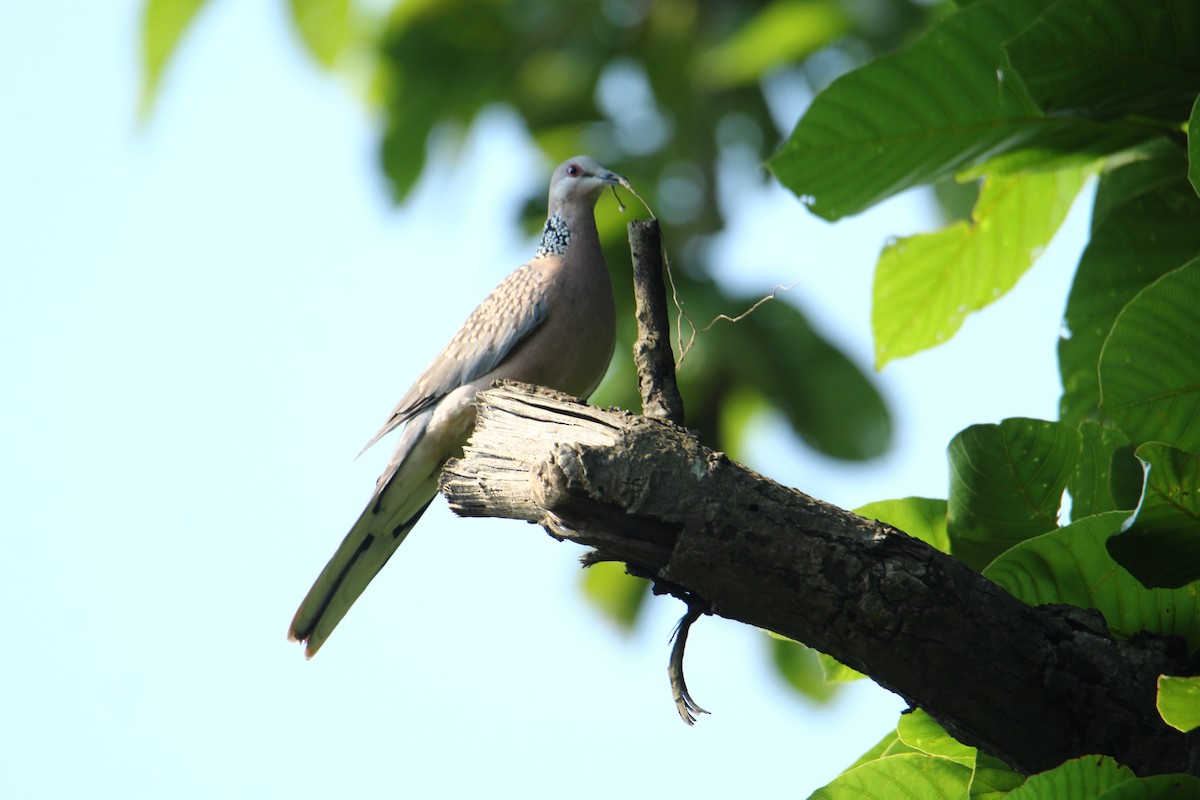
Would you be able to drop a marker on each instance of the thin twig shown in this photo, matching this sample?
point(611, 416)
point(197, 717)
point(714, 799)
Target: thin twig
point(682, 315)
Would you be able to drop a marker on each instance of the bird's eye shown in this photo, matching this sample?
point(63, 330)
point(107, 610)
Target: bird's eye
point(573, 170)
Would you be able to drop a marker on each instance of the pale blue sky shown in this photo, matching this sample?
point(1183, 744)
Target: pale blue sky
point(202, 322)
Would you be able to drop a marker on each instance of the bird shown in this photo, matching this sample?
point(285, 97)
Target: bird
point(551, 322)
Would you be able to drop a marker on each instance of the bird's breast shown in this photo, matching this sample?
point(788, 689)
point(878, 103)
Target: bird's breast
point(572, 348)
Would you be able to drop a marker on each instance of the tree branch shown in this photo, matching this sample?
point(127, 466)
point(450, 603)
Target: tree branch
point(1032, 686)
point(652, 350)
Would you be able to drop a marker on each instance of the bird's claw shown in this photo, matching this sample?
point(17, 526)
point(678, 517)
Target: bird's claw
point(687, 707)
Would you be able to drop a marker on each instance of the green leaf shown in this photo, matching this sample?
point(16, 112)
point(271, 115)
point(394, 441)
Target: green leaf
point(324, 26)
point(1103, 463)
point(993, 779)
point(1161, 543)
point(831, 670)
point(403, 152)
point(1150, 364)
point(921, 732)
point(798, 666)
point(889, 745)
point(783, 32)
point(926, 285)
point(619, 595)
point(1111, 58)
point(1179, 702)
point(1158, 787)
point(1193, 145)
point(835, 671)
point(1072, 565)
point(1006, 484)
point(920, 517)
point(163, 24)
point(1078, 779)
point(918, 115)
point(1080, 144)
point(1155, 166)
point(904, 775)
point(1145, 222)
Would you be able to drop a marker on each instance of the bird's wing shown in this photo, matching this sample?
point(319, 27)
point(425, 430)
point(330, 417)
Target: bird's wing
point(508, 315)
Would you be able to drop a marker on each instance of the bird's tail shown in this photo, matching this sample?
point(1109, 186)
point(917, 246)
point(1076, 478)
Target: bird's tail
point(403, 494)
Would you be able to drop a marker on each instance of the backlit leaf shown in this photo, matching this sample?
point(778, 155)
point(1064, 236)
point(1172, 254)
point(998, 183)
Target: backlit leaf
point(1179, 702)
point(920, 517)
point(324, 27)
point(921, 732)
point(904, 775)
point(164, 23)
point(926, 285)
point(1079, 779)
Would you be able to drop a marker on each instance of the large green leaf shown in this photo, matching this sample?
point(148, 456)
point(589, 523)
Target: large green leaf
point(1146, 222)
point(1108, 58)
point(1006, 484)
point(1150, 364)
point(835, 671)
point(1178, 702)
point(1080, 144)
point(889, 745)
point(163, 24)
point(904, 775)
point(324, 26)
point(1072, 565)
point(921, 732)
point(926, 285)
point(1103, 463)
point(922, 114)
point(993, 779)
point(920, 517)
point(1156, 787)
point(1079, 779)
point(1161, 545)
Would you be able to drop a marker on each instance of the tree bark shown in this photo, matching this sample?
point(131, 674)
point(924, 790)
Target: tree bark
point(1032, 686)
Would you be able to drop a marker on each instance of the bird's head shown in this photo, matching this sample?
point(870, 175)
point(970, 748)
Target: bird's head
point(578, 182)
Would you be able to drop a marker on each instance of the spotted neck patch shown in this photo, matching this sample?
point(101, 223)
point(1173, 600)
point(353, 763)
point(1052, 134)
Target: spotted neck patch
point(556, 235)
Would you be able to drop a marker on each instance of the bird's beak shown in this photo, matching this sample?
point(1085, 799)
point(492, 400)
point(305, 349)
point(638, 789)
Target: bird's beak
point(613, 179)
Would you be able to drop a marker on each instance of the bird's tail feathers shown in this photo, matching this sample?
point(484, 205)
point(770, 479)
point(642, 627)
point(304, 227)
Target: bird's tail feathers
point(357, 561)
point(403, 493)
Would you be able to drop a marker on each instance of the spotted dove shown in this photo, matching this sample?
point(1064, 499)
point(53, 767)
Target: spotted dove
point(551, 322)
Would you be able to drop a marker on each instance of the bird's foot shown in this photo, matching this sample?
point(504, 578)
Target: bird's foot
point(687, 707)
